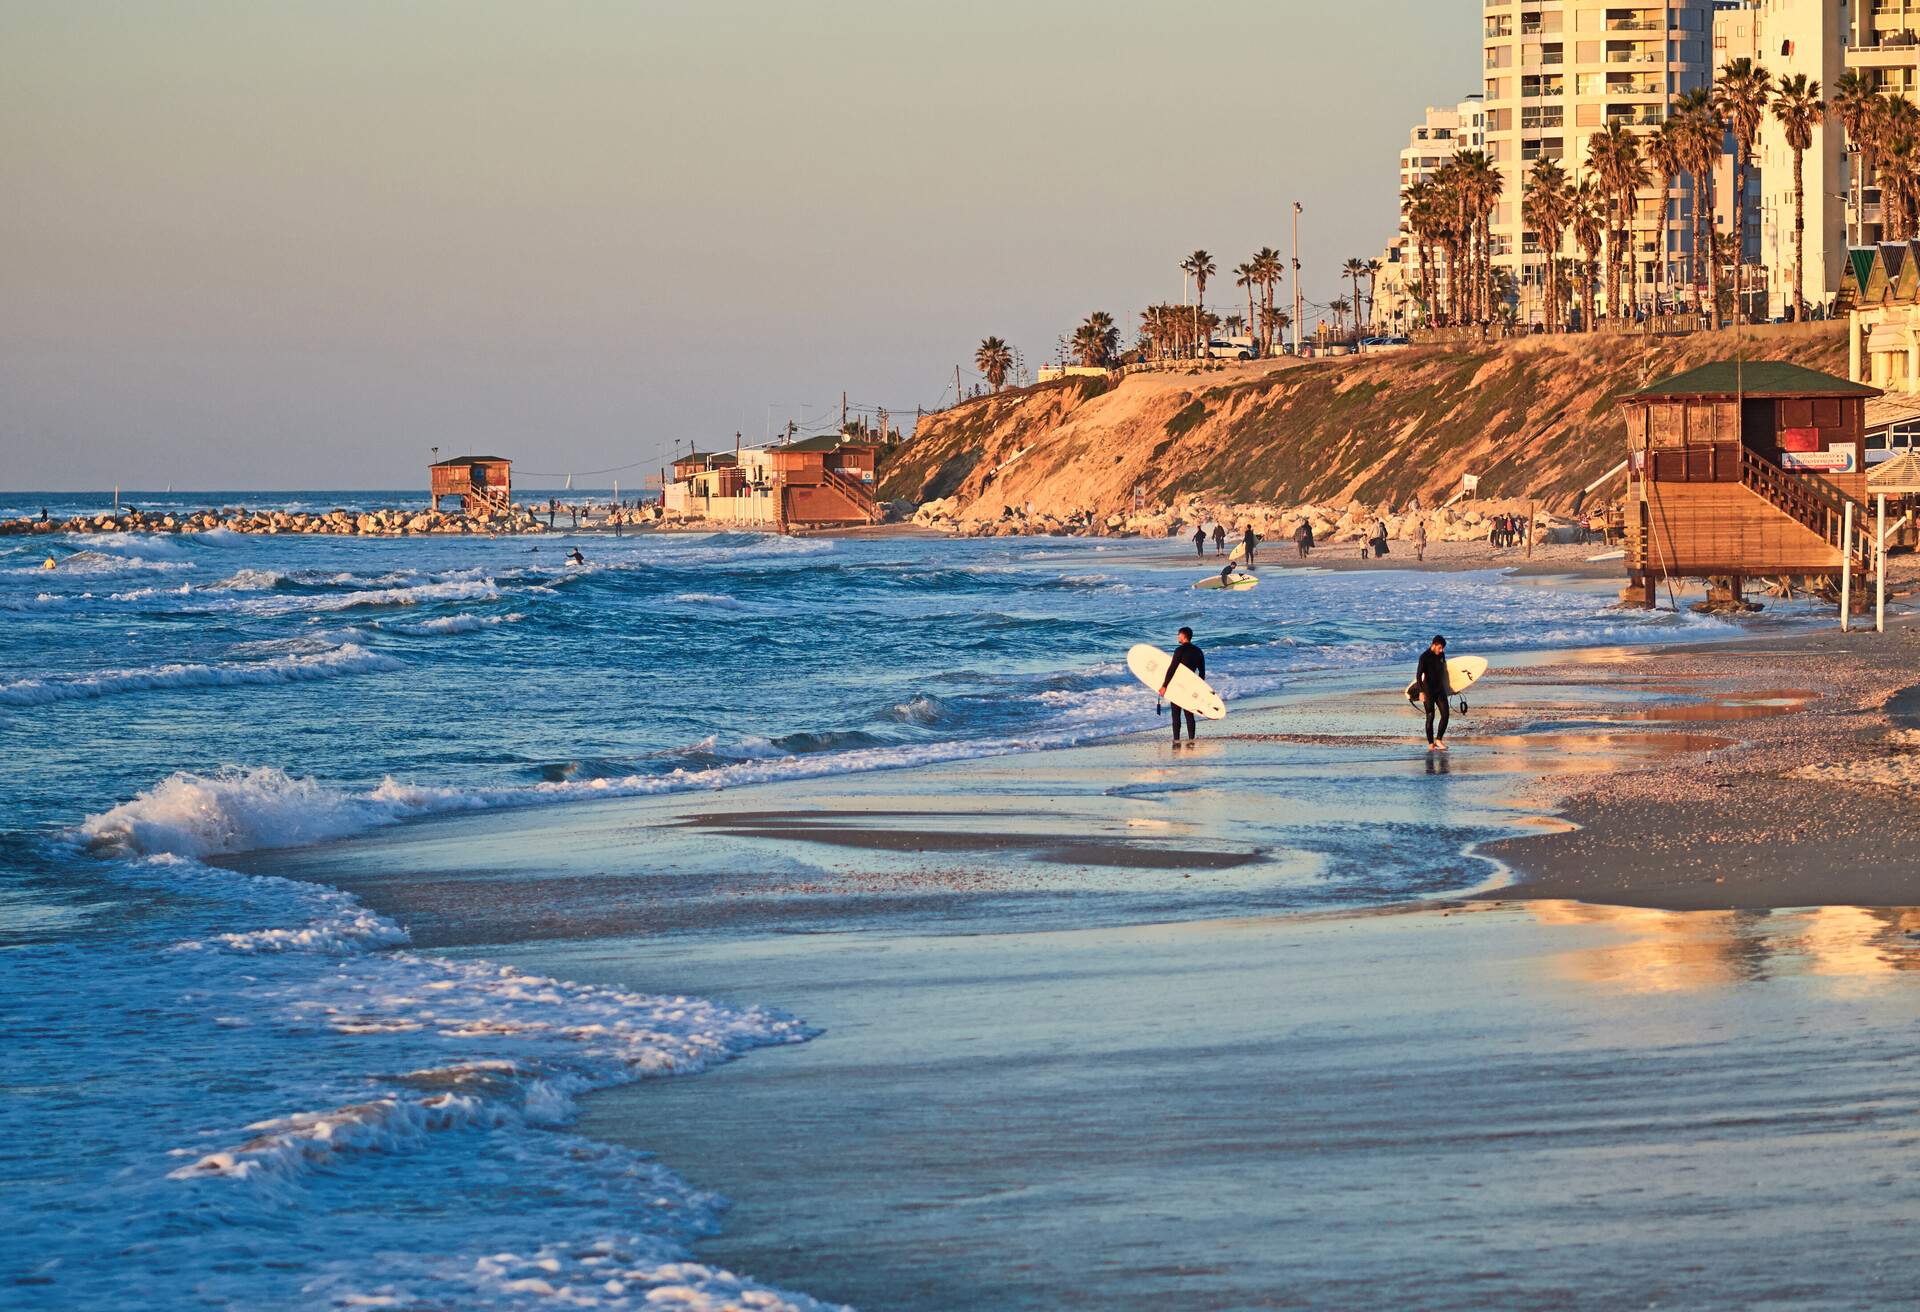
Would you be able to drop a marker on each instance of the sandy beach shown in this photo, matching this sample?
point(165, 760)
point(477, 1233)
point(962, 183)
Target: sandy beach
point(1086, 1043)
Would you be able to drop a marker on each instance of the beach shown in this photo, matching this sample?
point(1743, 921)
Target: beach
point(1086, 1042)
point(959, 987)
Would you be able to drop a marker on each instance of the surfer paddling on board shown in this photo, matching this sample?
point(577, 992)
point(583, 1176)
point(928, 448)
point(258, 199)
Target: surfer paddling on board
point(1431, 682)
point(1194, 659)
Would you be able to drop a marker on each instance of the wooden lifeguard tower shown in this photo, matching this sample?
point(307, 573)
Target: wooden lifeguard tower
point(1738, 470)
point(484, 484)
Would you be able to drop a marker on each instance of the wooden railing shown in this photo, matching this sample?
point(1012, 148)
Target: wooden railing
point(854, 490)
point(1809, 501)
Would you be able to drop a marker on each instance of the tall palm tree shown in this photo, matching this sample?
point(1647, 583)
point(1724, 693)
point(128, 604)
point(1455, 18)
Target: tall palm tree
point(1481, 185)
point(1353, 270)
point(994, 359)
point(1373, 276)
point(1666, 153)
point(1589, 216)
point(1547, 205)
point(1270, 268)
point(1702, 138)
point(1612, 155)
point(1246, 275)
point(1416, 203)
point(1741, 97)
point(1797, 104)
point(1856, 102)
point(1200, 265)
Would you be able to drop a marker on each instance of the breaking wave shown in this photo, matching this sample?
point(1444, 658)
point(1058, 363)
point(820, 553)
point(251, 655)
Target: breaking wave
point(349, 659)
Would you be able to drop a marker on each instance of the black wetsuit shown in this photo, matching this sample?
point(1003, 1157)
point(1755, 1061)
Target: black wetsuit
point(1196, 660)
point(1199, 542)
point(1249, 542)
point(1431, 679)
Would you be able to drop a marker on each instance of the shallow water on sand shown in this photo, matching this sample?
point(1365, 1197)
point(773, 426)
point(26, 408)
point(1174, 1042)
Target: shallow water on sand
point(275, 1099)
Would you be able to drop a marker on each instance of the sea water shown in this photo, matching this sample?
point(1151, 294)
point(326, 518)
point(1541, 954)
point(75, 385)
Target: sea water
point(236, 1091)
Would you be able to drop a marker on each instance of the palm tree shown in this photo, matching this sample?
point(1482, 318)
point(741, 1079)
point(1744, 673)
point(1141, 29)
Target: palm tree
point(1856, 102)
point(1268, 267)
point(1096, 340)
point(1702, 138)
point(1613, 158)
point(1352, 271)
point(1666, 152)
point(994, 359)
point(1589, 214)
point(1373, 275)
point(1547, 205)
point(1797, 104)
point(1741, 98)
point(1200, 265)
point(1246, 275)
point(1899, 168)
point(1481, 185)
point(1339, 305)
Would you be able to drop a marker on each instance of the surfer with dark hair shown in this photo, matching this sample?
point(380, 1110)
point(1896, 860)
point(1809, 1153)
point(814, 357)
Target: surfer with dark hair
point(1194, 659)
point(1200, 541)
point(1247, 543)
point(1219, 538)
point(1430, 681)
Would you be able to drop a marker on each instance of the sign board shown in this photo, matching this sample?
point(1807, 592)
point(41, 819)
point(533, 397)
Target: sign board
point(1469, 483)
point(1834, 460)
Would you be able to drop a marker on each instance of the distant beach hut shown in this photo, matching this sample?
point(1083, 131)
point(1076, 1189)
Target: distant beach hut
point(484, 484)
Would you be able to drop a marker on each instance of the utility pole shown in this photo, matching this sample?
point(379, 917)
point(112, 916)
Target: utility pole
point(956, 384)
point(1296, 277)
point(843, 412)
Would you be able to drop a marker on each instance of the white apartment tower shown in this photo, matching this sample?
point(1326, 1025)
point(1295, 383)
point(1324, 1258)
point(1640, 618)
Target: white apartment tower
point(1557, 71)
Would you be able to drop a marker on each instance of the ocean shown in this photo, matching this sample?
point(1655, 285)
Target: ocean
point(232, 1090)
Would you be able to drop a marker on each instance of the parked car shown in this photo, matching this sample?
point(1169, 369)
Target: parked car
point(1230, 351)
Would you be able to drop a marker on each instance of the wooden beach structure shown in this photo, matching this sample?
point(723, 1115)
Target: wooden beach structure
point(818, 482)
point(1745, 469)
point(484, 484)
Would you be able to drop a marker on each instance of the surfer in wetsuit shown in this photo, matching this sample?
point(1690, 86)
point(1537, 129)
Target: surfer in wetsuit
point(1200, 542)
point(1194, 659)
point(1219, 539)
point(1247, 543)
point(575, 558)
point(1431, 683)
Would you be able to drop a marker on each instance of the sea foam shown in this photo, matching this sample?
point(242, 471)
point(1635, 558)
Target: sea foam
point(349, 659)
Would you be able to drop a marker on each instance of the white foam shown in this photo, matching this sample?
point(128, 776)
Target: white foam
point(349, 659)
point(718, 599)
point(453, 624)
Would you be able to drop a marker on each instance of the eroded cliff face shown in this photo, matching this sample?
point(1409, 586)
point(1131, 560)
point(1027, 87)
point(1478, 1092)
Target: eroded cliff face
point(1534, 418)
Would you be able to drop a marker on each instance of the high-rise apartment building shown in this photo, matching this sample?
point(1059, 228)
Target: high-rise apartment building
point(1807, 38)
point(1435, 139)
point(1557, 71)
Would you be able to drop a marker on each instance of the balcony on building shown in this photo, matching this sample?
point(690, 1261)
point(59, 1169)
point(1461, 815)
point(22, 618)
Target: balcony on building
point(1635, 20)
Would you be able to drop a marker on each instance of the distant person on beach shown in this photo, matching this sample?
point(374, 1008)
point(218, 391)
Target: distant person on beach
point(1194, 659)
point(1303, 538)
point(1248, 541)
point(1430, 681)
point(1420, 539)
point(1219, 539)
point(1200, 542)
point(1379, 540)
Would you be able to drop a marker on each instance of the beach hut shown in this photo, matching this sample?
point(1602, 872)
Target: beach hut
point(1898, 480)
point(484, 484)
point(1740, 470)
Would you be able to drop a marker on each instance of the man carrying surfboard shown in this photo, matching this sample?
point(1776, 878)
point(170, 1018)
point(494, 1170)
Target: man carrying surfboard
point(1194, 659)
point(1430, 679)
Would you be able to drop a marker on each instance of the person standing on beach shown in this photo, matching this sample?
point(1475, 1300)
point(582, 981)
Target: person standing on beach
point(1194, 659)
point(1219, 538)
point(1248, 542)
point(1200, 542)
point(1431, 682)
point(1420, 538)
point(1303, 538)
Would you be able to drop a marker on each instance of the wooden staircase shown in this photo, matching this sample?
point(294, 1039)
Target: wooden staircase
point(1811, 502)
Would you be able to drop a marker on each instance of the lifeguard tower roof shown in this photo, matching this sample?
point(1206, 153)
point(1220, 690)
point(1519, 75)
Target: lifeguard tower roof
point(1759, 379)
point(471, 460)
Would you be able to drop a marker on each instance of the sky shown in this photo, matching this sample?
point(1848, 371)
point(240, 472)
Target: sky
point(271, 244)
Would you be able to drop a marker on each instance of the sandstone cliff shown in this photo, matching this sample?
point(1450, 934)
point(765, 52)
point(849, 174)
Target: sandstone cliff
point(1534, 418)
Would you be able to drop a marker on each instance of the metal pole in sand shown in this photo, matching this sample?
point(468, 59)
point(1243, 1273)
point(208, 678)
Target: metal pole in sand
point(1846, 569)
point(1880, 567)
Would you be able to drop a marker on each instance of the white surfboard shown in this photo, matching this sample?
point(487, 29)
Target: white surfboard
point(1239, 552)
point(1187, 690)
point(1462, 673)
point(1239, 584)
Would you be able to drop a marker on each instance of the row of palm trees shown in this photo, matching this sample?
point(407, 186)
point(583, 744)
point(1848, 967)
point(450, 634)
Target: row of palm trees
point(1449, 213)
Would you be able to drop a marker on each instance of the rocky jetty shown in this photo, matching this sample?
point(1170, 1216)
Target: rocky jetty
point(340, 523)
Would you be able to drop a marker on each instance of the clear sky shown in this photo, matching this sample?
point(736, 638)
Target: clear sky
point(272, 244)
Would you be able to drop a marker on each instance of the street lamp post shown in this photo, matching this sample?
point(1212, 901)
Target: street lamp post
point(1296, 277)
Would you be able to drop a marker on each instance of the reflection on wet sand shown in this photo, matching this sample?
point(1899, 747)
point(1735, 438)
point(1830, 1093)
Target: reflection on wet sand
point(1674, 951)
